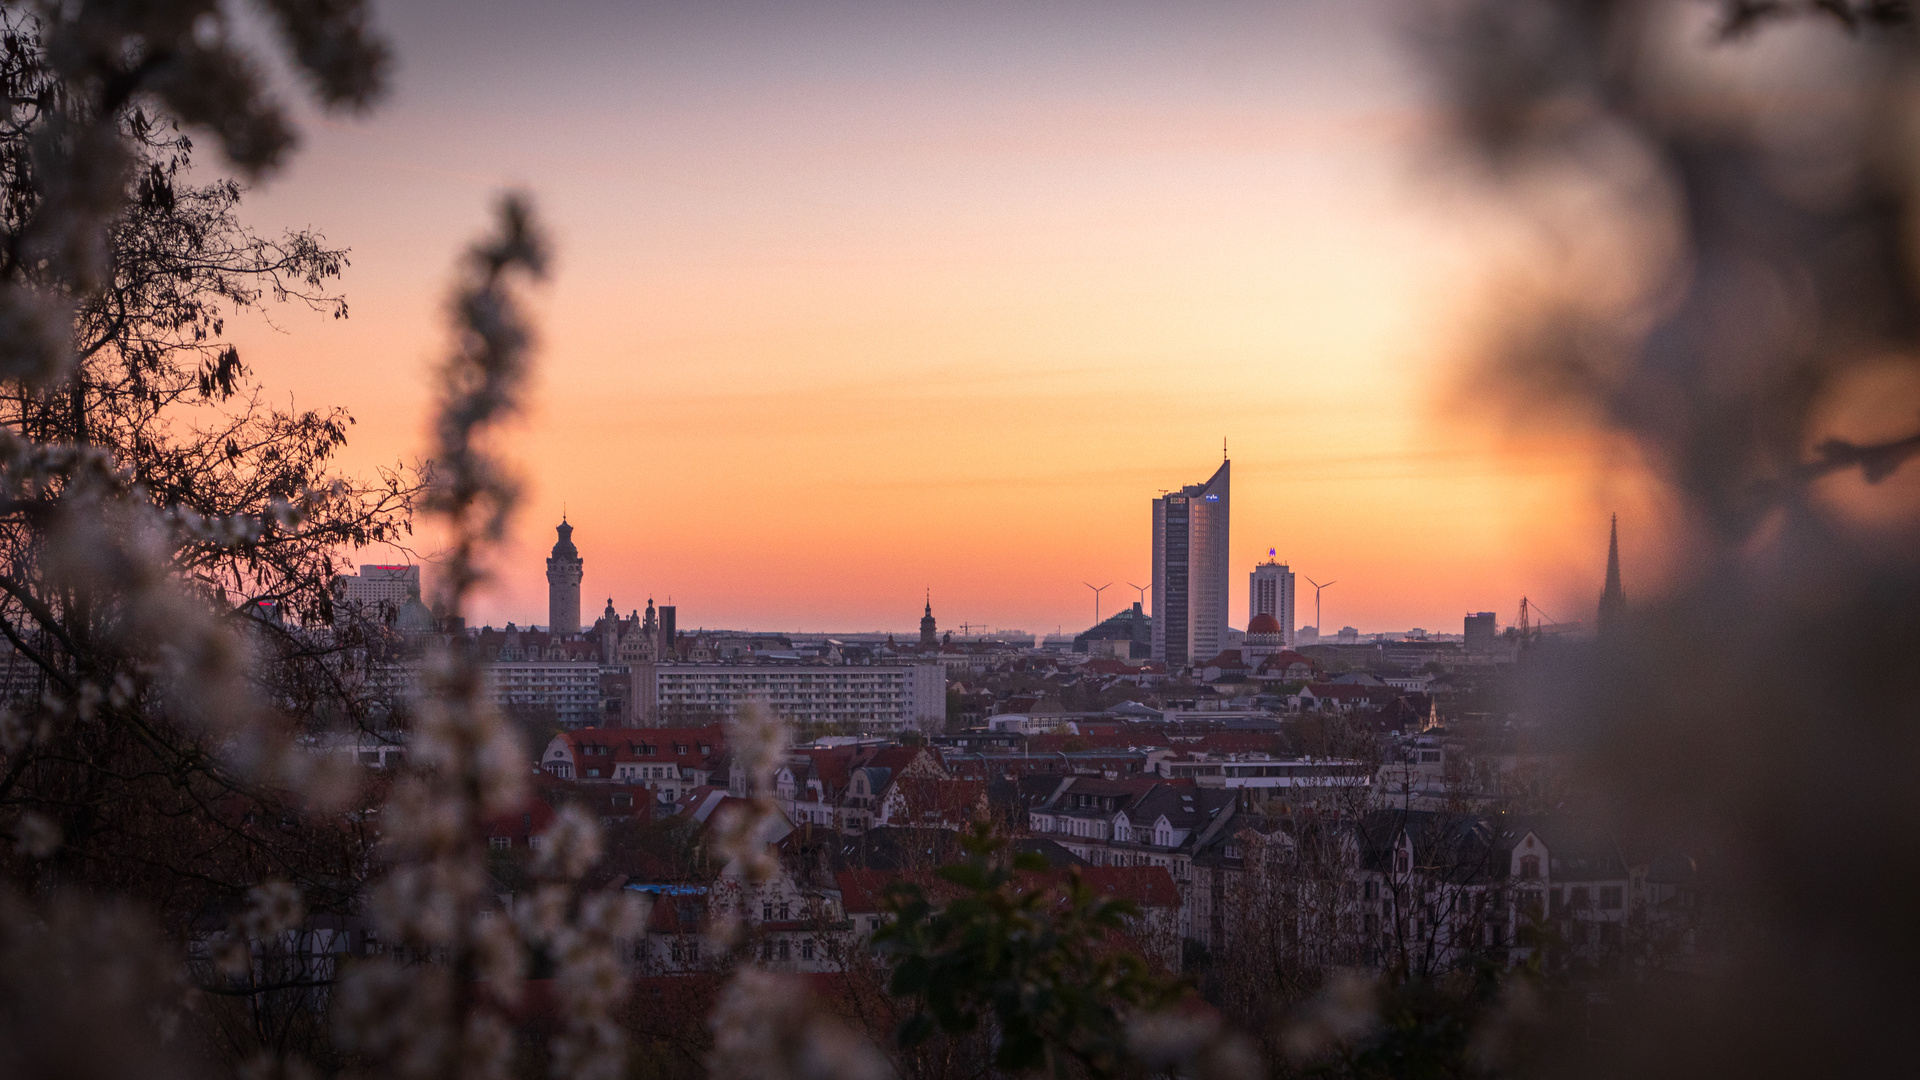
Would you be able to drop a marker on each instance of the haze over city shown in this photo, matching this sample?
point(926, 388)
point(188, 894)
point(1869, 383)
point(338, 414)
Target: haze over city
point(879, 540)
point(864, 299)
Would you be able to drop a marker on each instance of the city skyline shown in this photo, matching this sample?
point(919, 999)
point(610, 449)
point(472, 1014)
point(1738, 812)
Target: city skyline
point(1279, 599)
point(901, 290)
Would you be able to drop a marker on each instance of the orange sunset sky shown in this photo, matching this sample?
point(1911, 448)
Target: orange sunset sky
point(853, 300)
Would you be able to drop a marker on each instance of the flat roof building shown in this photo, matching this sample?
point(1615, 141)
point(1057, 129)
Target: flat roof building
point(889, 698)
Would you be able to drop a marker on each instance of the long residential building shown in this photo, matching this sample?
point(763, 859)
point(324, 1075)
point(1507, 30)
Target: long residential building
point(571, 688)
point(875, 698)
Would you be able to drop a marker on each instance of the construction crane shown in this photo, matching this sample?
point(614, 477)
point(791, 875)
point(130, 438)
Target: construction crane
point(1529, 628)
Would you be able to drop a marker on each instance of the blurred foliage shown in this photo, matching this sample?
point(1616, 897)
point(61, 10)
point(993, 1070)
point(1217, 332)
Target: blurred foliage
point(1033, 963)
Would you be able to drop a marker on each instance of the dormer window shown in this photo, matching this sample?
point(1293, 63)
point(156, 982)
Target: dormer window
point(1529, 867)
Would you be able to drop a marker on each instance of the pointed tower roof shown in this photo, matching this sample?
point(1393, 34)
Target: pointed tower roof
point(564, 549)
point(1613, 598)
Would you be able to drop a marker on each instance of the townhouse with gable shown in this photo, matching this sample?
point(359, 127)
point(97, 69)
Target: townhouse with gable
point(670, 762)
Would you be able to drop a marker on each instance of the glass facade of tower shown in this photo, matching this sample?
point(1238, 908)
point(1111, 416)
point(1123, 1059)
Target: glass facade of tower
point(1190, 570)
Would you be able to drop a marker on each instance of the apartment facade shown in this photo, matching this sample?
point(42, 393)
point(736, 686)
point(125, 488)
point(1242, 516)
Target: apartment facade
point(876, 698)
point(1270, 592)
point(571, 688)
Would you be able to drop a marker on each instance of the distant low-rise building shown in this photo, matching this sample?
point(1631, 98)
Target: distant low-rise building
point(879, 698)
point(376, 594)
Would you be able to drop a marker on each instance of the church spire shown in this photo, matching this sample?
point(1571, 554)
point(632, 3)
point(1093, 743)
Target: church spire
point(1613, 599)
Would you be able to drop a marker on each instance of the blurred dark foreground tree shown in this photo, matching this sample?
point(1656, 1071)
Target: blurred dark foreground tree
point(1733, 190)
point(127, 784)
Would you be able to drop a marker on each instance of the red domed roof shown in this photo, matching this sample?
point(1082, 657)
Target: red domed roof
point(1263, 623)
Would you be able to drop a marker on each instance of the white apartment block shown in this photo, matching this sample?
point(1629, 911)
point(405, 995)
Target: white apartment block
point(372, 590)
point(570, 687)
point(876, 698)
point(1270, 592)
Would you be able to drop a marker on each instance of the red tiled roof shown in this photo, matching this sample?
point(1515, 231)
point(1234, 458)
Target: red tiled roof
point(651, 746)
point(834, 766)
point(951, 801)
point(531, 819)
point(1146, 886)
point(896, 758)
point(861, 891)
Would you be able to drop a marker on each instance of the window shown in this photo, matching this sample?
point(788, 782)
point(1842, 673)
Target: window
point(499, 842)
point(766, 911)
point(1530, 867)
point(806, 949)
point(784, 910)
point(785, 949)
point(1612, 897)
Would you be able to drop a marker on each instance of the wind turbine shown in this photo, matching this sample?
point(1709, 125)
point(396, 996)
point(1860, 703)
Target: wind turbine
point(1097, 590)
point(1143, 592)
point(1317, 627)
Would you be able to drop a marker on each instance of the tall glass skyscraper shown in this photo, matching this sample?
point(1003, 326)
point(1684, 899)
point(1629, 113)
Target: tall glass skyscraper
point(1190, 571)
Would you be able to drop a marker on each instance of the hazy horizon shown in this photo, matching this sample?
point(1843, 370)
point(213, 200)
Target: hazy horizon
point(854, 300)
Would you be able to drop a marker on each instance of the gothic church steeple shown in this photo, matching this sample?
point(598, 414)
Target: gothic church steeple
point(1613, 599)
